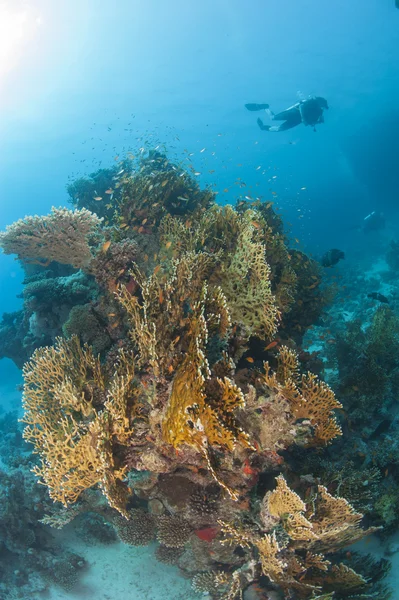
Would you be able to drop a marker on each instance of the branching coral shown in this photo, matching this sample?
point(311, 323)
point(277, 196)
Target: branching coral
point(330, 523)
point(63, 391)
point(309, 398)
point(62, 236)
point(238, 243)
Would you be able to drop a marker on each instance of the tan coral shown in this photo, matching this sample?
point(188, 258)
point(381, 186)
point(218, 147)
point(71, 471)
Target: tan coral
point(62, 236)
point(288, 506)
point(272, 566)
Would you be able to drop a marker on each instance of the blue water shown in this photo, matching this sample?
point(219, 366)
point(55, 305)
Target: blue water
point(85, 81)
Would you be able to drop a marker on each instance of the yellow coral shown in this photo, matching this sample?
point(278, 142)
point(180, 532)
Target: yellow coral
point(160, 320)
point(309, 398)
point(73, 439)
point(237, 242)
point(245, 280)
point(190, 418)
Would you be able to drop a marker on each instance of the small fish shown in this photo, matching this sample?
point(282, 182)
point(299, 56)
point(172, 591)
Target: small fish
point(121, 171)
point(271, 345)
point(109, 191)
point(97, 198)
point(183, 198)
point(170, 369)
point(203, 150)
point(269, 205)
point(379, 297)
point(197, 173)
point(164, 183)
point(250, 359)
point(106, 245)
point(161, 298)
point(168, 245)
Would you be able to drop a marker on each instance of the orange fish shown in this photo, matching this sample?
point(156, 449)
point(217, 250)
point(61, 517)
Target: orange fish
point(106, 245)
point(109, 191)
point(168, 245)
point(97, 198)
point(250, 359)
point(271, 345)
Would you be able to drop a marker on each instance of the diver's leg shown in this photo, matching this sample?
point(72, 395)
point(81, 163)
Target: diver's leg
point(289, 124)
point(262, 126)
point(289, 113)
point(283, 127)
point(254, 107)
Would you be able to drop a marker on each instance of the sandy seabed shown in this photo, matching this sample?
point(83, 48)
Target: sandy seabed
point(121, 572)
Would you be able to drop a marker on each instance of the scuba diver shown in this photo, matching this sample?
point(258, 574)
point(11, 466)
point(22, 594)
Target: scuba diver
point(308, 112)
point(375, 221)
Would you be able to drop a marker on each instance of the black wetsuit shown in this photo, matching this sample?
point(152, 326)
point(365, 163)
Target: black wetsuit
point(308, 112)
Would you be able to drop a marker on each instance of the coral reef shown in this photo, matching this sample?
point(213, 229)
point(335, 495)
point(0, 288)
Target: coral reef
point(177, 386)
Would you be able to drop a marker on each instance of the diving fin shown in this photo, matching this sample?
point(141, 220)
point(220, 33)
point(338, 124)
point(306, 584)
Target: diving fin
point(254, 107)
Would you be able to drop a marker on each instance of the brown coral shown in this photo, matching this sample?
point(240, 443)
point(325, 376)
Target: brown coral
point(138, 529)
point(173, 531)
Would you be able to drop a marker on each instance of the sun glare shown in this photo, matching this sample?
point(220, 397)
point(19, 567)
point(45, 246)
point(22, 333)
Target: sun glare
point(17, 28)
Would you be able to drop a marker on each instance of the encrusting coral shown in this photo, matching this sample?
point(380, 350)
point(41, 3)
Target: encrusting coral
point(181, 412)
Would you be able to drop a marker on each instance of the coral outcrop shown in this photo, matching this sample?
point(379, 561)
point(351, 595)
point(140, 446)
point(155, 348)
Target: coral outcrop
point(177, 388)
